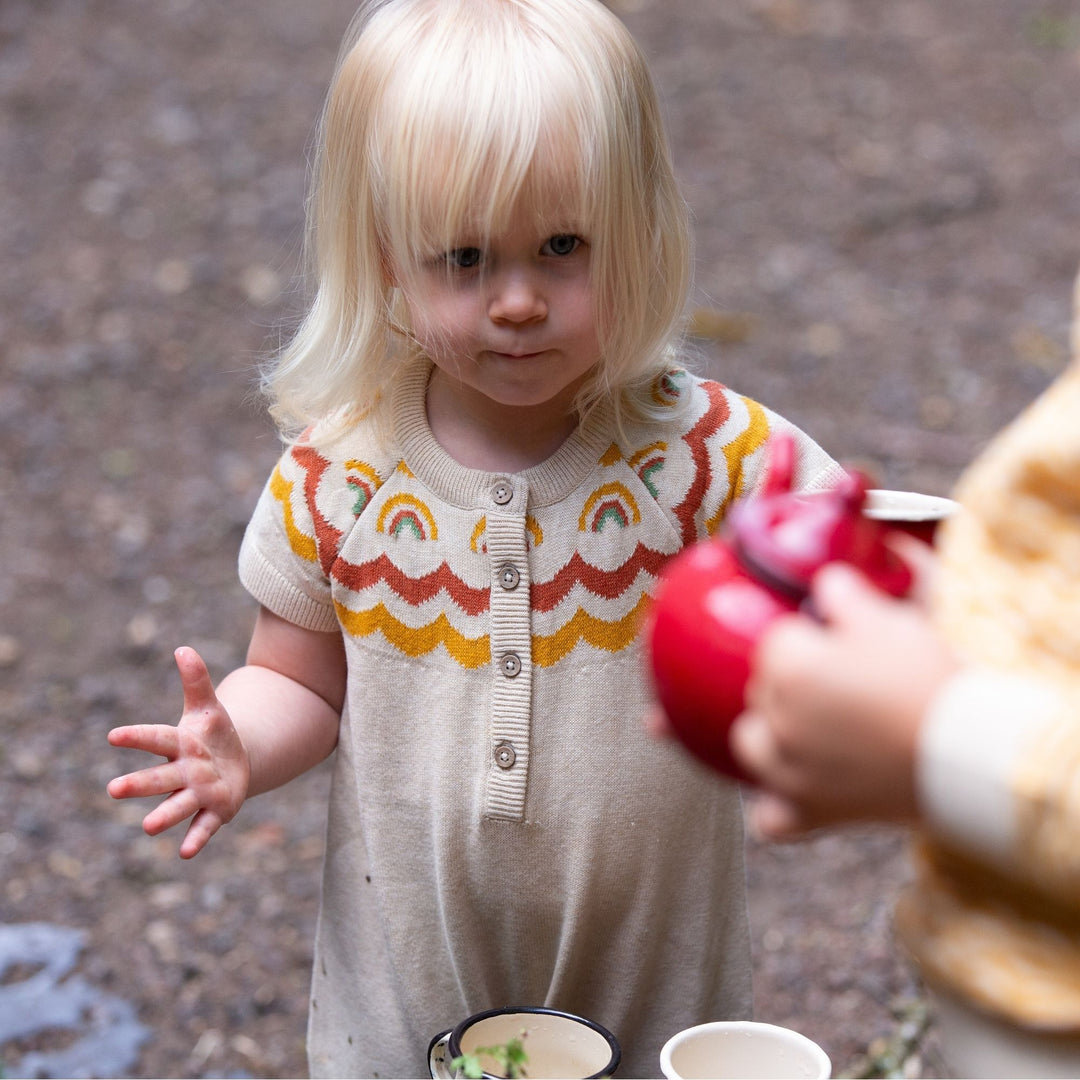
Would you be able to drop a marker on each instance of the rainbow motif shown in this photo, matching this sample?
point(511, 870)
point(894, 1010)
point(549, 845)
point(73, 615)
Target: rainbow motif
point(666, 389)
point(364, 481)
point(647, 463)
point(406, 513)
point(609, 503)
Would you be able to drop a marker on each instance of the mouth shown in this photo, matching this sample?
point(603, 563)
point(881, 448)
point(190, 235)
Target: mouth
point(517, 355)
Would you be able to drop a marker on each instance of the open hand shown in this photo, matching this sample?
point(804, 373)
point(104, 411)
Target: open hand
point(207, 770)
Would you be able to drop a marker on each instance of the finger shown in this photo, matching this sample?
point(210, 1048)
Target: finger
point(195, 680)
point(838, 590)
point(773, 819)
point(920, 558)
point(752, 744)
point(160, 739)
point(657, 723)
point(159, 780)
point(792, 644)
point(203, 826)
point(176, 808)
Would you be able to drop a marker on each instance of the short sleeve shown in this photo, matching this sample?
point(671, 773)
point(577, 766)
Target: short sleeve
point(280, 563)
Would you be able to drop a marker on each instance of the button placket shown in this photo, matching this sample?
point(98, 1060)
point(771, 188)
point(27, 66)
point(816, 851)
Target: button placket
point(506, 538)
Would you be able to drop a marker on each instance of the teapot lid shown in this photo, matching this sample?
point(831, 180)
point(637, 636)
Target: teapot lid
point(784, 537)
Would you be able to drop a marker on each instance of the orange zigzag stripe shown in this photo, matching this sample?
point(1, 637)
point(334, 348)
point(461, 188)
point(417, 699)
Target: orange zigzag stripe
point(327, 536)
point(608, 584)
point(715, 415)
point(544, 596)
point(357, 576)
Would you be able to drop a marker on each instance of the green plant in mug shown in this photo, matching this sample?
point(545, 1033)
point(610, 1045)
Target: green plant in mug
point(510, 1056)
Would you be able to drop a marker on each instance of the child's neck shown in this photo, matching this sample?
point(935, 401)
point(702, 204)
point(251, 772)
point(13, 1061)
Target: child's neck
point(479, 433)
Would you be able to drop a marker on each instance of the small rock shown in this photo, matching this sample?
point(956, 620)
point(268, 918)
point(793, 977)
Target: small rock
point(142, 631)
point(28, 765)
point(261, 284)
point(10, 651)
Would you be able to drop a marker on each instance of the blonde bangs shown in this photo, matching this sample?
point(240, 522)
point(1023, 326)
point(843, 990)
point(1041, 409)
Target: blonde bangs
point(464, 146)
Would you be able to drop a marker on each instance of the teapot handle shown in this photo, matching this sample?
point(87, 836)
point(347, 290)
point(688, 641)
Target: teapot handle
point(780, 470)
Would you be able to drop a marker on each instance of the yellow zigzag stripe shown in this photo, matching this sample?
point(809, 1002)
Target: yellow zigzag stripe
point(533, 527)
point(474, 540)
point(612, 636)
point(468, 652)
point(300, 542)
point(476, 652)
point(743, 445)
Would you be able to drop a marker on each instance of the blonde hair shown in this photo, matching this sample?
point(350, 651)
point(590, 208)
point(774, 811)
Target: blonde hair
point(441, 115)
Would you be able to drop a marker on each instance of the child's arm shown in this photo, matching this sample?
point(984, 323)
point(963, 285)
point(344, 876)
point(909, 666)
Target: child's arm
point(269, 721)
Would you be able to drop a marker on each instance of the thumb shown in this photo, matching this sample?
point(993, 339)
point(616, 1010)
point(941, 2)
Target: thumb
point(195, 679)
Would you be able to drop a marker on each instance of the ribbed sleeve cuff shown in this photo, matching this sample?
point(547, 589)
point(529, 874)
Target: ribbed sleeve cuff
point(974, 732)
point(259, 576)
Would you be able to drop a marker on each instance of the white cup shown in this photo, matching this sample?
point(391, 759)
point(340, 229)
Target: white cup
point(910, 511)
point(742, 1048)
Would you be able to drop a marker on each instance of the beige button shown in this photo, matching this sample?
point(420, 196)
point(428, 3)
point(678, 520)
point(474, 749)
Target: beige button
point(509, 578)
point(502, 492)
point(505, 755)
point(510, 664)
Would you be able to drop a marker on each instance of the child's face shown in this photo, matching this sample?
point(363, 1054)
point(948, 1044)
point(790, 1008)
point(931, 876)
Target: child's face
point(510, 320)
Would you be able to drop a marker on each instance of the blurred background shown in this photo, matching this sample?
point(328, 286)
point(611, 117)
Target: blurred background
point(886, 196)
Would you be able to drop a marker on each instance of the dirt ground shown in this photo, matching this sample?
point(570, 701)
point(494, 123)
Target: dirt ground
point(886, 195)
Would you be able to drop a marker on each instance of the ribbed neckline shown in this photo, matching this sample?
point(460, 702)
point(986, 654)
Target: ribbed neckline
point(548, 482)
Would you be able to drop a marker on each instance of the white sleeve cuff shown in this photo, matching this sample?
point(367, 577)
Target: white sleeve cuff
point(973, 734)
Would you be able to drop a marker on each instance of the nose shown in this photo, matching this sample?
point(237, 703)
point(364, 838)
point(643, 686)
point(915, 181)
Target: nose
point(517, 299)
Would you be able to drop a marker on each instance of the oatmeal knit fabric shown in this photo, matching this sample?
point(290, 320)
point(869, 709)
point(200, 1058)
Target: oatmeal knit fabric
point(502, 830)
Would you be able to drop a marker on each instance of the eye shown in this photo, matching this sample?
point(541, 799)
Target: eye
point(464, 258)
point(563, 244)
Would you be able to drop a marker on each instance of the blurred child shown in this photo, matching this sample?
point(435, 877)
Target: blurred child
point(499, 449)
point(966, 719)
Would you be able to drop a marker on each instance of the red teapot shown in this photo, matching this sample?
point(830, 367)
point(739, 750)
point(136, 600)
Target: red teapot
point(716, 597)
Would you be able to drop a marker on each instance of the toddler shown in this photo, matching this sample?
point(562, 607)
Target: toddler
point(492, 450)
